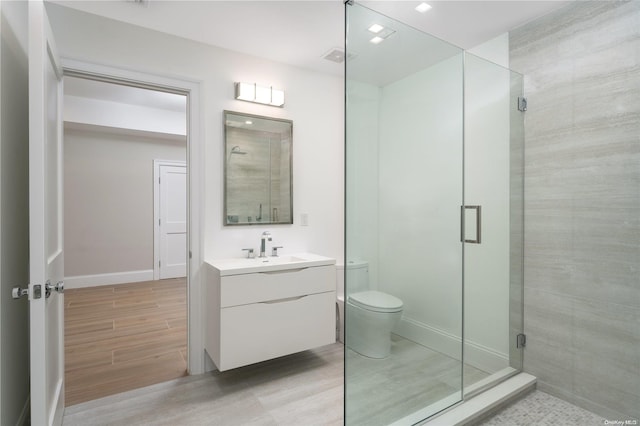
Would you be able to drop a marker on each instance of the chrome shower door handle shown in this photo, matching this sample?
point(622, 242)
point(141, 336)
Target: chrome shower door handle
point(478, 238)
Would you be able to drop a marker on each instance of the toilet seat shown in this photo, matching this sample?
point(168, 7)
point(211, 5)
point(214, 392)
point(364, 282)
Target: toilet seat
point(376, 301)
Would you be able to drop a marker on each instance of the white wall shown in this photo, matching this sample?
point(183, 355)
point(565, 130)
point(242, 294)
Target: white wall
point(14, 213)
point(108, 199)
point(495, 50)
point(79, 109)
point(362, 159)
point(421, 193)
point(314, 103)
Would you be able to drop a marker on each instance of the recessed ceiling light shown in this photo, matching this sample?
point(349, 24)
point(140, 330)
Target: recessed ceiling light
point(376, 28)
point(423, 7)
point(376, 40)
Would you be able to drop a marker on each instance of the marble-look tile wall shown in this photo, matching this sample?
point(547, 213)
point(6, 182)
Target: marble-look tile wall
point(582, 203)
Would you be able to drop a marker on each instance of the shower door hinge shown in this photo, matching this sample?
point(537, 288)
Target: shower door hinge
point(521, 340)
point(522, 104)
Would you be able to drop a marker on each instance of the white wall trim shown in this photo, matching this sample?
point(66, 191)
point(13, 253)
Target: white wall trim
point(195, 171)
point(477, 355)
point(485, 358)
point(156, 211)
point(83, 281)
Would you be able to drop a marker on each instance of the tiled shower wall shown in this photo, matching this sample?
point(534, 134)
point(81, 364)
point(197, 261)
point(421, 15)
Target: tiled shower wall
point(582, 203)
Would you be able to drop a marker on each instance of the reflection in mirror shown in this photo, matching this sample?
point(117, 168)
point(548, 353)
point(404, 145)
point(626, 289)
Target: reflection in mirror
point(258, 179)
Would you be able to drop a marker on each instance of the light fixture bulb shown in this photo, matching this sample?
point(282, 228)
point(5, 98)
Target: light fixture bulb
point(246, 91)
point(376, 28)
point(248, 122)
point(376, 40)
point(277, 97)
point(423, 7)
point(263, 94)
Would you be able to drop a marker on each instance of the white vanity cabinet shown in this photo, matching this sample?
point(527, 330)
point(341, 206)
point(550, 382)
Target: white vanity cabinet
point(256, 316)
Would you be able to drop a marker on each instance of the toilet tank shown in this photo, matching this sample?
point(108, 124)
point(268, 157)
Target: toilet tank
point(357, 277)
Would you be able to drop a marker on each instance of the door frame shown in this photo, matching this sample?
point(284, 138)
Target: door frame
point(156, 210)
point(195, 182)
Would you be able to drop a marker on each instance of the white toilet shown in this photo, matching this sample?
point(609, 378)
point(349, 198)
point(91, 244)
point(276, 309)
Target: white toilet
point(370, 315)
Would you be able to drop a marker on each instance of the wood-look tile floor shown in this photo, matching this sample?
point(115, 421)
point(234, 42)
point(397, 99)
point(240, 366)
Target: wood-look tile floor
point(123, 337)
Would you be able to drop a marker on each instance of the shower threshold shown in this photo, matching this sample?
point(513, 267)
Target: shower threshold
point(476, 407)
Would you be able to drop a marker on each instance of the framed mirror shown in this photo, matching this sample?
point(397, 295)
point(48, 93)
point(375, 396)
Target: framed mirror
point(258, 180)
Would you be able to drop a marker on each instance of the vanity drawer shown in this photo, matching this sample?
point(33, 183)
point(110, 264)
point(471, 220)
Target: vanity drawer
point(274, 285)
point(260, 331)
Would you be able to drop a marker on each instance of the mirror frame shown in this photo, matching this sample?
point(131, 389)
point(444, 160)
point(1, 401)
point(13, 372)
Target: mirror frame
point(225, 217)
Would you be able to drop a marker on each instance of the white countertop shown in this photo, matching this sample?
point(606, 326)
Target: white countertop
point(237, 266)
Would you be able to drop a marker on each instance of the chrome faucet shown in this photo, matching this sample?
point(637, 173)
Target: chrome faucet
point(266, 236)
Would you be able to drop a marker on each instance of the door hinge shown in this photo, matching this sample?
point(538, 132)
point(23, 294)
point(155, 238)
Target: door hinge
point(159, 263)
point(522, 104)
point(521, 340)
point(159, 222)
point(190, 254)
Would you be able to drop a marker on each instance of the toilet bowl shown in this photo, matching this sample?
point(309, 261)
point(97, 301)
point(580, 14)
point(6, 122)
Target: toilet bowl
point(370, 318)
point(371, 315)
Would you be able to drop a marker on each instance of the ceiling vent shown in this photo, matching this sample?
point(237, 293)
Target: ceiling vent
point(337, 55)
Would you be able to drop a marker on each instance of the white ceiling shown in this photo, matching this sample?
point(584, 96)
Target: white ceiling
point(301, 32)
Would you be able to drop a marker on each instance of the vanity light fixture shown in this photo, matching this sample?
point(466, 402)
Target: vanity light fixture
point(252, 92)
point(423, 7)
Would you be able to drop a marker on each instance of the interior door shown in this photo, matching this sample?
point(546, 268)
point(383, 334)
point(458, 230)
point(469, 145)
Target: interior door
point(46, 255)
point(173, 221)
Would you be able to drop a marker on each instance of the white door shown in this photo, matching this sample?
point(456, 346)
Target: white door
point(172, 221)
point(46, 255)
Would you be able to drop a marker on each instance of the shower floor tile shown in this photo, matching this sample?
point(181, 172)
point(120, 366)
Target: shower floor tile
point(381, 391)
point(541, 409)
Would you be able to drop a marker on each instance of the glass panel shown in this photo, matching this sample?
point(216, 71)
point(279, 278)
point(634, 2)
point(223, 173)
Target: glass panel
point(404, 130)
point(516, 221)
point(493, 167)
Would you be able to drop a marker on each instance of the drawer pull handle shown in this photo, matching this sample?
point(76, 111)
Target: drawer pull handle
point(283, 271)
point(286, 299)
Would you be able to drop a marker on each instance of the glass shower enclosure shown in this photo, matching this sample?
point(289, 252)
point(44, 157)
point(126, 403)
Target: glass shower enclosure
point(434, 194)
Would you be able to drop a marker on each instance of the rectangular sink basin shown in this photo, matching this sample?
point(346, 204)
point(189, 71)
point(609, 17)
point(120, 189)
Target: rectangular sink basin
point(237, 266)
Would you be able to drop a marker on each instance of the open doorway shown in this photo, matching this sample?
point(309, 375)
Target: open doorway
point(125, 213)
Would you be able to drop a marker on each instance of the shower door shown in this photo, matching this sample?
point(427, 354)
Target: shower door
point(404, 174)
point(493, 182)
point(434, 193)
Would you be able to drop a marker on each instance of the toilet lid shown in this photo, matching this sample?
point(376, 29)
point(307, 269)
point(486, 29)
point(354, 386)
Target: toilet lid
point(376, 301)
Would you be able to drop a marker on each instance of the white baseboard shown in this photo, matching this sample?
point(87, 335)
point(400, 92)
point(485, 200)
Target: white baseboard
point(479, 356)
point(82, 281)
